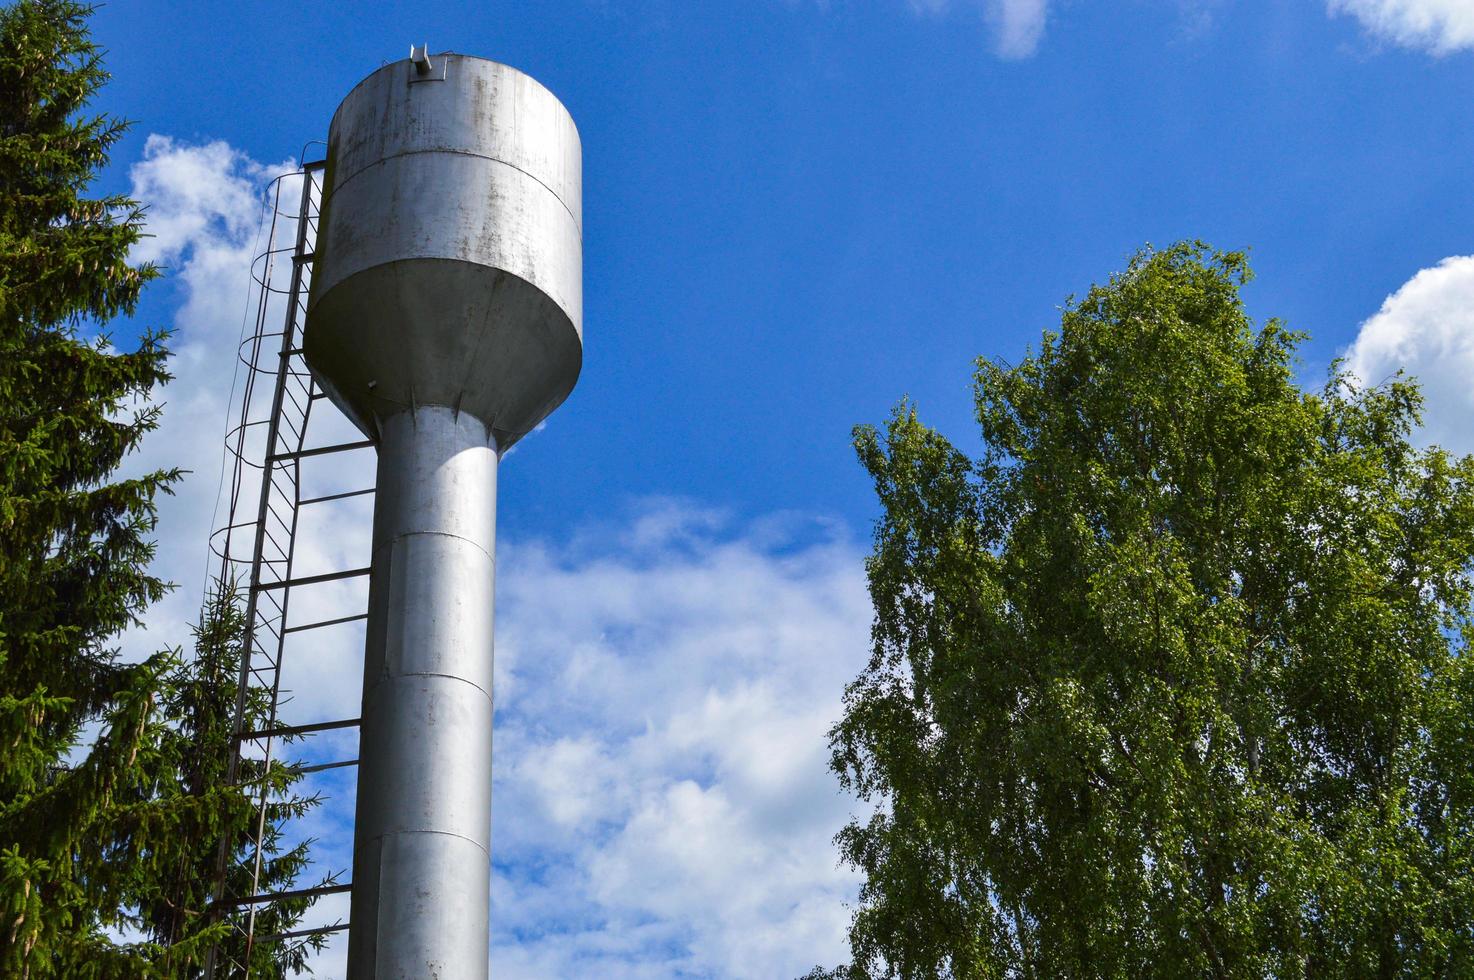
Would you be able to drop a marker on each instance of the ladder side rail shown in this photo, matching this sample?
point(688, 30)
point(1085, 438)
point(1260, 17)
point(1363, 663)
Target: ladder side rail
point(228, 559)
point(289, 334)
point(265, 630)
point(268, 473)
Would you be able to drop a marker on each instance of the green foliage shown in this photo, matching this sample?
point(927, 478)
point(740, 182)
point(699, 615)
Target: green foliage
point(199, 703)
point(1171, 680)
point(74, 542)
point(104, 810)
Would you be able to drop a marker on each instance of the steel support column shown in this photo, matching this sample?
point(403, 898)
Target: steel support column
point(421, 862)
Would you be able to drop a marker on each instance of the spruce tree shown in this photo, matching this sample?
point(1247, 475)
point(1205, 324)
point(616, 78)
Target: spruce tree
point(74, 540)
point(199, 704)
point(107, 802)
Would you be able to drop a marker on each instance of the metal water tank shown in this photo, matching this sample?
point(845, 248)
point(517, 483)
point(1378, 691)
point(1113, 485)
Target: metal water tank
point(449, 264)
point(445, 318)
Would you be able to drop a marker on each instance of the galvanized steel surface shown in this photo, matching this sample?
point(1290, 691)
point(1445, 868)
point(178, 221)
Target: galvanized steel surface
point(422, 862)
point(446, 320)
point(449, 268)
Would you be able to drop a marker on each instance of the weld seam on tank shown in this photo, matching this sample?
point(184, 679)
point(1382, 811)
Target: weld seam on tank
point(577, 221)
point(439, 833)
point(427, 673)
point(439, 534)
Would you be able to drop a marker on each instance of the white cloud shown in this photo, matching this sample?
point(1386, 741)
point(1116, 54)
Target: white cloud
point(1438, 26)
point(206, 204)
point(204, 207)
point(1017, 25)
point(202, 201)
point(1426, 328)
point(664, 683)
point(661, 798)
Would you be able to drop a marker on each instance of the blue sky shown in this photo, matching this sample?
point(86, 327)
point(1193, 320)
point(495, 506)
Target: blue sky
point(800, 211)
point(797, 212)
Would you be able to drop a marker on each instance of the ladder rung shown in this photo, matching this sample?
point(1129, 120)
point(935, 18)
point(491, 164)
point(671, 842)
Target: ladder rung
point(284, 527)
point(334, 496)
point(294, 893)
point(341, 447)
point(321, 726)
point(312, 579)
point(324, 766)
point(266, 591)
point(325, 622)
point(299, 933)
point(298, 406)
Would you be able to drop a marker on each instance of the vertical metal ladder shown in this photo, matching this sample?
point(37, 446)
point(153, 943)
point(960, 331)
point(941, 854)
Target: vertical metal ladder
point(268, 448)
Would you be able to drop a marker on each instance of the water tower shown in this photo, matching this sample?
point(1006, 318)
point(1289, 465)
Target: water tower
point(445, 319)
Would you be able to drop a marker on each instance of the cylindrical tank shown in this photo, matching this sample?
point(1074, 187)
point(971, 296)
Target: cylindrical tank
point(422, 834)
point(449, 263)
point(445, 318)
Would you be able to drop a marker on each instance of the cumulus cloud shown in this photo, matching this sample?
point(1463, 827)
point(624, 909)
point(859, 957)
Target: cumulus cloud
point(204, 210)
point(1017, 25)
point(664, 681)
point(1426, 328)
point(661, 802)
point(1437, 26)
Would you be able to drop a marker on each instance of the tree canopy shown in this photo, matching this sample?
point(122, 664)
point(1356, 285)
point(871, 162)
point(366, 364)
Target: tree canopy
point(1172, 678)
point(74, 540)
point(110, 816)
point(198, 704)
